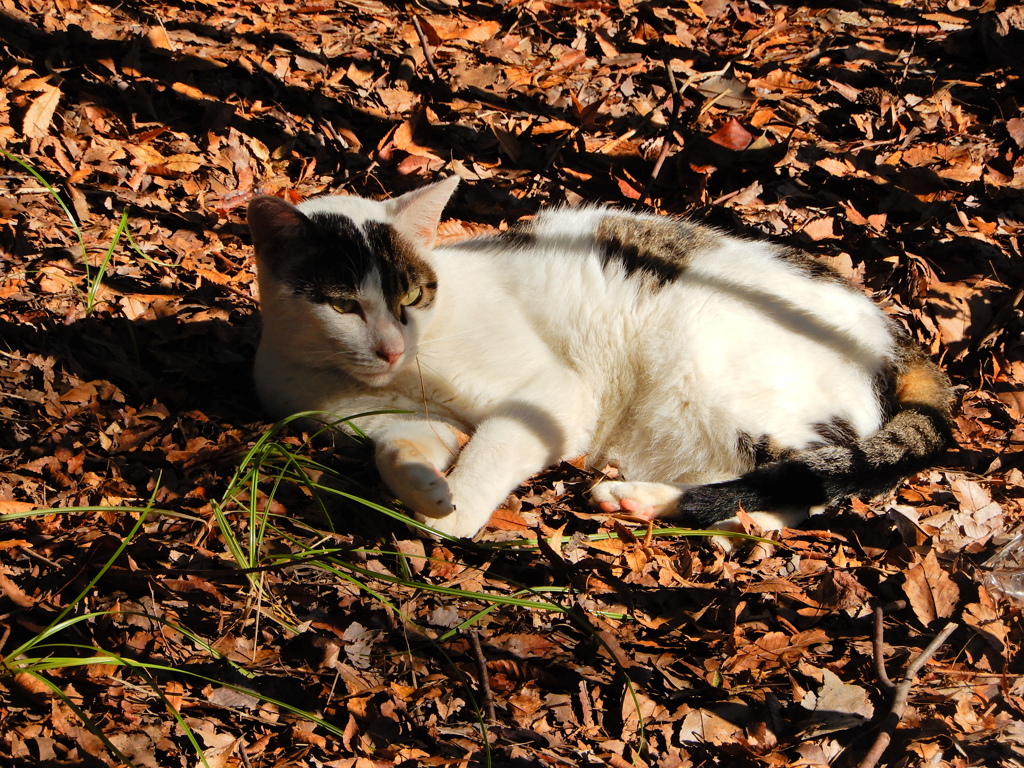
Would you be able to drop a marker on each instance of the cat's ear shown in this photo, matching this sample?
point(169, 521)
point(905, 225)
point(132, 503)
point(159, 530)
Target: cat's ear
point(277, 227)
point(417, 213)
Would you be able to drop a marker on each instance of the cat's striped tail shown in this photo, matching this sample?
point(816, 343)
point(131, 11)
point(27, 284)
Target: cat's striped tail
point(917, 433)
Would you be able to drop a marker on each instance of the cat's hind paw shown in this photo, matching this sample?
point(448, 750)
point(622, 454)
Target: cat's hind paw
point(646, 500)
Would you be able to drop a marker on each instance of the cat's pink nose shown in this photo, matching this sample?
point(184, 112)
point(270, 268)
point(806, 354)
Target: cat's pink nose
point(389, 355)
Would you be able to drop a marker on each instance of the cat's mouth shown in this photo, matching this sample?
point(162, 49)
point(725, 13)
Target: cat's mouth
point(376, 379)
point(380, 374)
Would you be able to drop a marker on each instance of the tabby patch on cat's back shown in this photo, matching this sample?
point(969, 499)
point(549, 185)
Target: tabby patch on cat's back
point(721, 374)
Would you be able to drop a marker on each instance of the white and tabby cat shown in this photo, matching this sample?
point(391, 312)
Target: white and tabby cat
point(720, 373)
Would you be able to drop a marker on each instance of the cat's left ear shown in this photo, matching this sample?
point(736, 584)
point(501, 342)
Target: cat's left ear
point(417, 213)
point(278, 229)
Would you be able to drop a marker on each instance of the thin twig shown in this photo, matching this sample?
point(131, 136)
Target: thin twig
point(31, 553)
point(585, 705)
point(485, 678)
point(426, 49)
point(899, 699)
point(243, 754)
point(666, 147)
point(883, 676)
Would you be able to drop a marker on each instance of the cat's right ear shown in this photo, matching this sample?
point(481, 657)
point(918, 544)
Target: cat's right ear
point(277, 229)
point(418, 213)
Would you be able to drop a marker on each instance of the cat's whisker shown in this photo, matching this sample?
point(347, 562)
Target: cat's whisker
point(434, 371)
point(448, 355)
point(434, 340)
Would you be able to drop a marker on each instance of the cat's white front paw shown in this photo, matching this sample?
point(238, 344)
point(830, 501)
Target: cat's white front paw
point(414, 480)
point(646, 500)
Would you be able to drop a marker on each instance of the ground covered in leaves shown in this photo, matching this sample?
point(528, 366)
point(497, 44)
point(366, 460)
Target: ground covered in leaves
point(219, 601)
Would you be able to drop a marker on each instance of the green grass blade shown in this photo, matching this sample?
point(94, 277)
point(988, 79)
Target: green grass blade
point(53, 193)
point(94, 282)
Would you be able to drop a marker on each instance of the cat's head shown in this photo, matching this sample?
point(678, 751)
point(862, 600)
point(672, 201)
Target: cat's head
point(358, 270)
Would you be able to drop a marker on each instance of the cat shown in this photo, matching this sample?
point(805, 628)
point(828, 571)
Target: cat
point(721, 373)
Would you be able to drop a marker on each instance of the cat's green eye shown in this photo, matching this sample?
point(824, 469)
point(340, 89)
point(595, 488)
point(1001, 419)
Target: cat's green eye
point(345, 306)
point(411, 297)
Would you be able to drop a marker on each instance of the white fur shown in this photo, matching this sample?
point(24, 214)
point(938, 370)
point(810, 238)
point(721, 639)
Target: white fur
point(539, 353)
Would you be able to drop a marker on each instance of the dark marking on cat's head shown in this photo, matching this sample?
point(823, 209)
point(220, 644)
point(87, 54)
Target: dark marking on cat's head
point(401, 267)
point(660, 249)
point(326, 255)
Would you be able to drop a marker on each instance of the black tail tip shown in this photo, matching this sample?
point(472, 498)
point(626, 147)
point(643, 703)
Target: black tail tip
point(705, 505)
point(782, 486)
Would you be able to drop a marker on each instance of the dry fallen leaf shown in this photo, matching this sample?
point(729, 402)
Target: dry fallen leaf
point(13, 592)
point(836, 705)
point(821, 229)
point(39, 114)
point(732, 135)
point(931, 592)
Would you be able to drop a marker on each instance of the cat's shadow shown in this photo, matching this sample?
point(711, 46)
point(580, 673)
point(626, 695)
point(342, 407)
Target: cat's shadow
point(188, 365)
